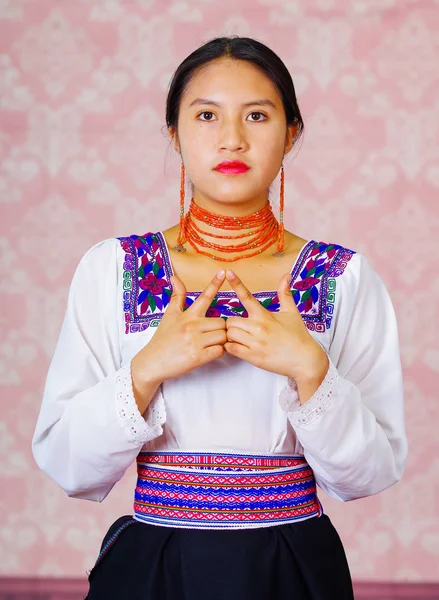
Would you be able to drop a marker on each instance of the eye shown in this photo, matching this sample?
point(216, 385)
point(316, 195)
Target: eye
point(260, 114)
point(256, 116)
point(206, 112)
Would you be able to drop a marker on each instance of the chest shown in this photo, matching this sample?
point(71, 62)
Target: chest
point(257, 276)
point(259, 273)
point(146, 288)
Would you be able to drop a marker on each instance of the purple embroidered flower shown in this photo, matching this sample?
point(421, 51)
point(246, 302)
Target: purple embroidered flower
point(213, 312)
point(306, 283)
point(152, 284)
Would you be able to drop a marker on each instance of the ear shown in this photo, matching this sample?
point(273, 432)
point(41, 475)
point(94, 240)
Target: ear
point(290, 137)
point(174, 135)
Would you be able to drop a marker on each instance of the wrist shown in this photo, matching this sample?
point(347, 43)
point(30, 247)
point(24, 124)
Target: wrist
point(312, 375)
point(315, 371)
point(144, 371)
point(144, 384)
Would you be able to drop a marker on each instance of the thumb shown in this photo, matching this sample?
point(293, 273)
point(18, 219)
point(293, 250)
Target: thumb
point(284, 294)
point(178, 297)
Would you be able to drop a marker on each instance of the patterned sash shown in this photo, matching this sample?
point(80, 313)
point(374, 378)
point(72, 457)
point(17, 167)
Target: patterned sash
point(224, 491)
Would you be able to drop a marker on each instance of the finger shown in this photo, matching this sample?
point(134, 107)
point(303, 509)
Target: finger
point(248, 300)
point(204, 300)
point(213, 338)
point(238, 350)
point(253, 326)
point(178, 296)
point(240, 336)
point(212, 353)
point(212, 324)
point(285, 295)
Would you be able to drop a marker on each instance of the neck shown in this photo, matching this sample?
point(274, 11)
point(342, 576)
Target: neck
point(242, 235)
point(222, 213)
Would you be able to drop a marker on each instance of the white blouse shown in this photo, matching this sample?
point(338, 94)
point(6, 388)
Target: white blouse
point(351, 431)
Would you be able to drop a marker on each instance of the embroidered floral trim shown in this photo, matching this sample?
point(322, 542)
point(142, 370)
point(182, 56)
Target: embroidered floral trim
point(138, 429)
point(145, 291)
point(305, 414)
point(147, 287)
point(313, 283)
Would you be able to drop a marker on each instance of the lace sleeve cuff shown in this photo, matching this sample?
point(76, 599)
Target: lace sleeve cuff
point(138, 428)
point(304, 414)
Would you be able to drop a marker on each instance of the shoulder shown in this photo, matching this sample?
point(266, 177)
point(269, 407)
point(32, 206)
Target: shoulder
point(142, 253)
point(339, 265)
point(350, 268)
point(118, 247)
point(318, 262)
point(348, 282)
point(139, 243)
point(96, 273)
point(325, 271)
point(97, 259)
point(107, 258)
point(329, 258)
point(100, 251)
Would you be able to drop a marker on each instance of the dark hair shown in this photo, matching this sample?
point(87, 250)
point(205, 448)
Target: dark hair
point(239, 48)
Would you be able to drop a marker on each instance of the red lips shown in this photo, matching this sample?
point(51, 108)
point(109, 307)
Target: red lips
point(232, 167)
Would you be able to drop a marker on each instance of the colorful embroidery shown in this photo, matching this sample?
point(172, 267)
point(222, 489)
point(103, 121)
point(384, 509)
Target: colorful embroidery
point(147, 287)
point(313, 283)
point(146, 291)
point(228, 491)
point(237, 462)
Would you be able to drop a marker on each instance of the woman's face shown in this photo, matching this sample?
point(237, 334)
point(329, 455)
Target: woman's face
point(232, 111)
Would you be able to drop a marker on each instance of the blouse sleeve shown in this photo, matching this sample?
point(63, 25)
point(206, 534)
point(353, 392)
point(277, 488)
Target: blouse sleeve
point(352, 429)
point(89, 429)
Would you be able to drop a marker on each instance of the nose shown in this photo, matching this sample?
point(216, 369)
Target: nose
point(231, 136)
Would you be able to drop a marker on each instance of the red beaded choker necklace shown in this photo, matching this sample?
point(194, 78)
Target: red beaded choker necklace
point(263, 228)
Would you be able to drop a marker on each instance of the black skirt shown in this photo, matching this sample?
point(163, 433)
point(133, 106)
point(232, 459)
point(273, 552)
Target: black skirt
point(300, 561)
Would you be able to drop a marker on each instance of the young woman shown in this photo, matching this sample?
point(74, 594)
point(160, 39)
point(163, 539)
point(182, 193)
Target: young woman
point(235, 401)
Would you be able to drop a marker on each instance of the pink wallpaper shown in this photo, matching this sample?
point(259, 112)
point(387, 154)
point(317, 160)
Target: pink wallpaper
point(82, 91)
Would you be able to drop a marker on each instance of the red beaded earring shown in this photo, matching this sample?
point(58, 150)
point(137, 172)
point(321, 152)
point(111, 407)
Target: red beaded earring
point(181, 237)
point(281, 234)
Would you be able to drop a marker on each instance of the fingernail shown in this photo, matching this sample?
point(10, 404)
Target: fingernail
point(220, 274)
point(230, 273)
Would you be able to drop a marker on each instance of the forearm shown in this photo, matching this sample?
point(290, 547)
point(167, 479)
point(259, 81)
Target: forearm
point(352, 455)
point(86, 441)
point(80, 441)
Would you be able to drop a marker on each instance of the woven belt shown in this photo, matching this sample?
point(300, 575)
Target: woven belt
point(224, 491)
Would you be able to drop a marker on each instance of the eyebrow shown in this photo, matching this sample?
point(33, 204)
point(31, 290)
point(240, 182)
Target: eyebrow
point(259, 102)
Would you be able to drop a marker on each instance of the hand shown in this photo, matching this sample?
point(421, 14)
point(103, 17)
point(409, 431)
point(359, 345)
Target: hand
point(184, 340)
point(277, 342)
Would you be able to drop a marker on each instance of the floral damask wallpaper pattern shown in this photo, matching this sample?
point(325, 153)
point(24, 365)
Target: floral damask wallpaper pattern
point(82, 91)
